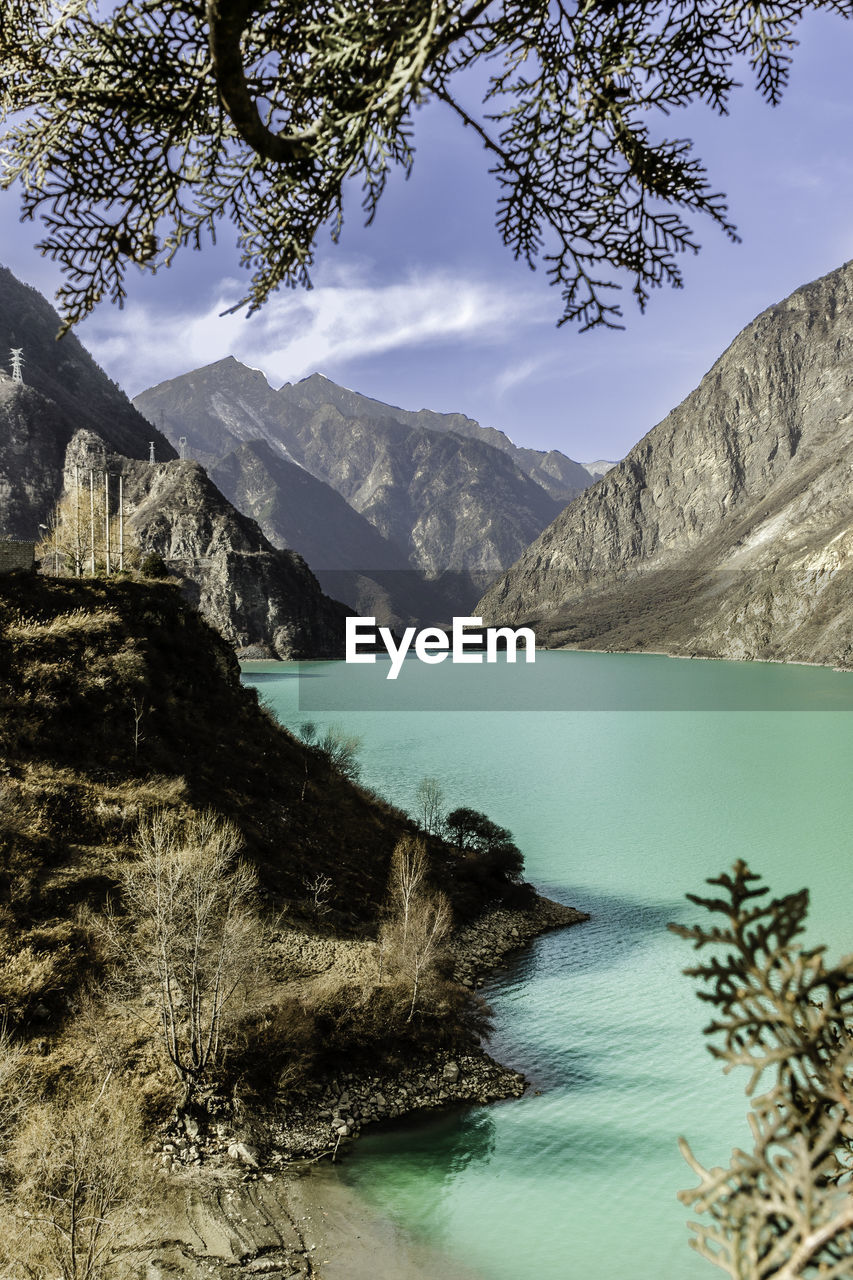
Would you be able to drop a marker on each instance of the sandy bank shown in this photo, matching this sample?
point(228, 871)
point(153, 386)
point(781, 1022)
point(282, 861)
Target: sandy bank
point(303, 1225)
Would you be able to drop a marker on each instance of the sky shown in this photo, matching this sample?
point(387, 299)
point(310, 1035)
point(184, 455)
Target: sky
point(427, 309)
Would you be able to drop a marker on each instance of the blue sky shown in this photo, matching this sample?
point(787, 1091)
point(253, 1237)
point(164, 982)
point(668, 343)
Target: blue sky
point(427, 309)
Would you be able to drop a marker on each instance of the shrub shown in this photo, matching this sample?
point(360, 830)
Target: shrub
point(153, 565)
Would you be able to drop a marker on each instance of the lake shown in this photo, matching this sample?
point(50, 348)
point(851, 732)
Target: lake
point(625, 789)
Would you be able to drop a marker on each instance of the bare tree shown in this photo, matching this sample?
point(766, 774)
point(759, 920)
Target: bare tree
point(406, 882)
point(429, 925)
point(319, 888)
point(308, 734)
point(78, 1183)
point(195, 935)
point(418, 919)
point(429, 804)
point(74, 540)
point(139, 710)
point(341, 750)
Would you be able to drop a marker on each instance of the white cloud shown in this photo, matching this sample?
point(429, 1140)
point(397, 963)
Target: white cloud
point(297, 333)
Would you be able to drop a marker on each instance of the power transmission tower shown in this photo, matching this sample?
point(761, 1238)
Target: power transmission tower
point(17, 364)
point(182, 446)
point(150, 453)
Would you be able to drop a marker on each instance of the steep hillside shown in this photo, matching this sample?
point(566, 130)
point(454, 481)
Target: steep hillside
point(728, 529)
point(351, 559)
point(435, 488)
point(67, 413)
point(256, 595)
point(558, 474)
point(65, 374)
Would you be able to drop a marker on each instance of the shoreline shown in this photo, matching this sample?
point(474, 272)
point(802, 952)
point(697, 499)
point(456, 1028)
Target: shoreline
point(699, 657)
point(272, 1203)
point(303, 1225)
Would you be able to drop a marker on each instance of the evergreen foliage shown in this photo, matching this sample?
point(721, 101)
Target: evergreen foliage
point(783, 1209)
point(138, 129)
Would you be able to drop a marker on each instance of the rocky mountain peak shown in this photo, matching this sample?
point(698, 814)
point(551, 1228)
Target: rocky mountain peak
point(751, 473)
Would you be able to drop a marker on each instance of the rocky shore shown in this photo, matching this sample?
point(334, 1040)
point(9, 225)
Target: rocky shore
point(484, 945)
point(234, 1183)
point(326, 1115)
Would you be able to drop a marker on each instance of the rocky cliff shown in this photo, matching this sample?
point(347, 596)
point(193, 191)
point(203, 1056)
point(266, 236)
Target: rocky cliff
point(728, 530)
point(452, 496)
point(352, 560)
point(67, 412)
point(63, 390)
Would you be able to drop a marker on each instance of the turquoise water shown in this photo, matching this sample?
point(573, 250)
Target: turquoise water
point(620, 812)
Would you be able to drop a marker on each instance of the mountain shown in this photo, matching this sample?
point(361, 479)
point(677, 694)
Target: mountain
point(437, 490)
point(558, 475)
point(68, 413)
point(600, 467)
point(727, 530)
point(351, 559)
point(63, 390)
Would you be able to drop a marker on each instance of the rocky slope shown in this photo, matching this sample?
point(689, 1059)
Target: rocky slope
point(68, 412)
point(453, 497)
point(727, 530)
point(352, 560)
point(259, 598)
point(559, 475)
point(63, 390)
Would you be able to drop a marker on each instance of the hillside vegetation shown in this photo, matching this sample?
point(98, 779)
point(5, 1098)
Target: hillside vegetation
point(121, 708)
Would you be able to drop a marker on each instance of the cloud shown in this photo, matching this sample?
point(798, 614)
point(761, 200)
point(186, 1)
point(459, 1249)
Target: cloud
point(296, 333)
point(515, 374)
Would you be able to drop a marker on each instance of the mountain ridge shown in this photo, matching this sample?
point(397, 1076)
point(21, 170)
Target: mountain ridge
point(731, 517)
point(451, 502)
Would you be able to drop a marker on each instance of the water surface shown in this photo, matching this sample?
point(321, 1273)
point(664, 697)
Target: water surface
point(620, 812)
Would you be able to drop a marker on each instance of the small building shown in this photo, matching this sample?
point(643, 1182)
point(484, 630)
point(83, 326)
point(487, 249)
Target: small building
point(15, 554)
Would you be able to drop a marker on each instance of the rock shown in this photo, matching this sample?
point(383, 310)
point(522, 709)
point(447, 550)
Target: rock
point(244, 1153)
point(450, 1072)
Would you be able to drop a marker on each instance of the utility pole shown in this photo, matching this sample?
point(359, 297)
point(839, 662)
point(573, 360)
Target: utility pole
point(92, 516)
point(78, 556)
point(120, 521)
point(107, 519)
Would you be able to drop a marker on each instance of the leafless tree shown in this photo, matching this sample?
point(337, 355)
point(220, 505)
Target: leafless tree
point(77, 1185)
point(75, 533)
point(319, 888)
point(417, 918)
point(407, 881)
point(194, 933)
point(308, 734)
point(429, 803)
point(139, 710)
point(429, 925)
point(341, 750)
